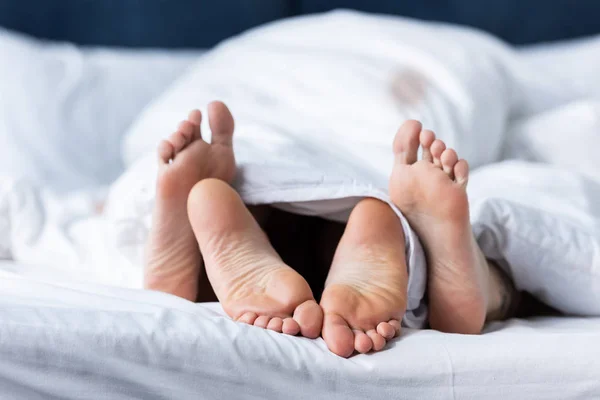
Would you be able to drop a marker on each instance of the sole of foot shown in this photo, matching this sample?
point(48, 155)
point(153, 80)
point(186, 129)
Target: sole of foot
point(249, 278)
point(431, 193)
point(173, 260)
point(365, 293)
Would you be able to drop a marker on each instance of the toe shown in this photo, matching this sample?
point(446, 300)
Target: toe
point(437, 148)
point(406, 142)
point(309, 316)
point(338, 336)
point(195, 118)
point(221, 124)
point(426, 138)
point(461, 172)
point(449, 159)
point(262, 321)
point(362, 342)
point(187, 129)
point(248, 318)
point(165, 152)
point(396, 325)
point(386, 330)
point(290, 327)
point(179, 141)
point(275, 324)
point(377, 339)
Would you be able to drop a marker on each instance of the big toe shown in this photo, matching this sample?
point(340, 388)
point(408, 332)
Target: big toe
point(338, 336)
point(406, 142)
point(309, 316)
point(221, 124)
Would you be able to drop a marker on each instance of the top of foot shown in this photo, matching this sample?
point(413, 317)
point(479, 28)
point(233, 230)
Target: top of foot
point(185, 158)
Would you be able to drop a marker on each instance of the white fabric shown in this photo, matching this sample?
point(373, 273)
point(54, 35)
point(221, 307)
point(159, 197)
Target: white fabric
point(572, 64)
point(74, 341)
point(327, 143)
point(64, 110)
point(288, 105)
point(63, 233)
point(317, 80)
point(566, 136)
point(325, 107)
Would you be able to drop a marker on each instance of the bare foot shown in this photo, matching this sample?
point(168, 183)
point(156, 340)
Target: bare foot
point(431, 194)
point(173, 259)
point(251, 281)
point(365, 293)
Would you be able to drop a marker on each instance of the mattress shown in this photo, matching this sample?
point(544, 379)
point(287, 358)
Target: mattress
point(74, 340)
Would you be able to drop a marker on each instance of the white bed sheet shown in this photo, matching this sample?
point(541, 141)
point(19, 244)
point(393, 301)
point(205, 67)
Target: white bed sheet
point(73, 341)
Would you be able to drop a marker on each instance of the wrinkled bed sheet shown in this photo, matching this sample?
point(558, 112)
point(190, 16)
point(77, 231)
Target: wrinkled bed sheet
point(73, 341)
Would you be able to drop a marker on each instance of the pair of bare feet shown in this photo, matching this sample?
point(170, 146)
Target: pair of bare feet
point(201, 224)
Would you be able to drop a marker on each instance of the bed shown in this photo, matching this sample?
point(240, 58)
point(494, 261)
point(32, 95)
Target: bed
point(75, 327)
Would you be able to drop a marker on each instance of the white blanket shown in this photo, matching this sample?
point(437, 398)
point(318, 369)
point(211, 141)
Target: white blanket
point(324, 107)
point(317, 101)
point(81, 113)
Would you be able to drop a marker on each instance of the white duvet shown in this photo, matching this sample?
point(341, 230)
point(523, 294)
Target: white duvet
point(317, 101)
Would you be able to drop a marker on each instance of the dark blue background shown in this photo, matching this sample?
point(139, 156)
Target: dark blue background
point(203, 23)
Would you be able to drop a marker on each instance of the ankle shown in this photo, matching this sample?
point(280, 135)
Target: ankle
point(503, 298)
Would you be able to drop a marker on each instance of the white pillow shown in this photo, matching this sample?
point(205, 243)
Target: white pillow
point(567, 136)
point(347, 73)
point(572, 65)
point(64, 110)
